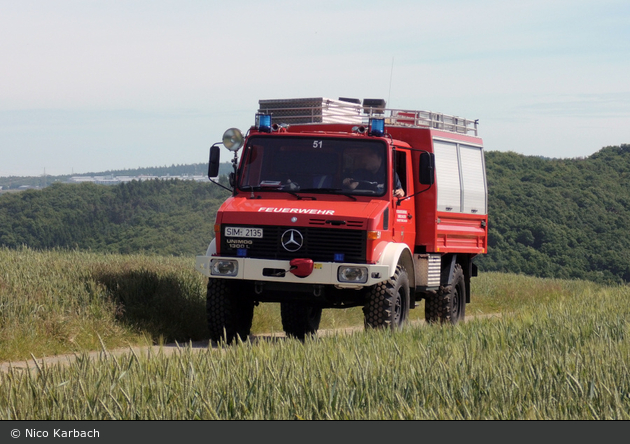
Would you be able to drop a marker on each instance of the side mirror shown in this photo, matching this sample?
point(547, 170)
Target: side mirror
point(215, 160)
point(427, 168)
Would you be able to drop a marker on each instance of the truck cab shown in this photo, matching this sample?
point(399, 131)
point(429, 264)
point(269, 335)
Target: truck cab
point(337, 204)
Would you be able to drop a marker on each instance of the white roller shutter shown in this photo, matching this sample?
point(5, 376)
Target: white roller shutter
point(447, 176)
point(473, 179)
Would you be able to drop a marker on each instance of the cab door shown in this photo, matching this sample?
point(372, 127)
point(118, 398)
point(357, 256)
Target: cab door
point(403, 209)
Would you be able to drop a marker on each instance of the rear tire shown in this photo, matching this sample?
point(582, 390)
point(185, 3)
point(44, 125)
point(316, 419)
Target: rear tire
point(300, 319)
point(387, 303)
point(448, 304)
point(229, 314)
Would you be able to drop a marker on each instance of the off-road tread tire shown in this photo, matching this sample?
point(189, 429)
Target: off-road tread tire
point(380, 302)
point(228, 313)
point(300, 319)
point(448, 304)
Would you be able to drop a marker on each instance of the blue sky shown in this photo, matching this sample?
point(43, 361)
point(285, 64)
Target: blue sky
point(88, 86)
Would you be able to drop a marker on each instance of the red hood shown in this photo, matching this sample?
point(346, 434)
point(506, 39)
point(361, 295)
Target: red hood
point(355, 214)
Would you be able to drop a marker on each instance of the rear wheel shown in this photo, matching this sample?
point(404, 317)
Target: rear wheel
point(300, 319)
point(448, 304)
point(387, 303)
point(229, 314)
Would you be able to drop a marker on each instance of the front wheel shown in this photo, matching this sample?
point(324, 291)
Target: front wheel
point(229, 313)
point(300, 319)
point(387, 303)
point(448, 304)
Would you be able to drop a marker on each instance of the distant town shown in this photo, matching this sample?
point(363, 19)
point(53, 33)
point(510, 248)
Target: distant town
point(193, 172)
point(116, 180)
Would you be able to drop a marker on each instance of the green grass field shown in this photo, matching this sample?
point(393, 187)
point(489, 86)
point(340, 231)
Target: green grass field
point(560, 351)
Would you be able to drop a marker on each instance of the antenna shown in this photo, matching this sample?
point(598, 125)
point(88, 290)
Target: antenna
point(391, 74)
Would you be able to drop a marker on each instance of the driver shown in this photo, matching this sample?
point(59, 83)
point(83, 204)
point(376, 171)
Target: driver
point(371, 168)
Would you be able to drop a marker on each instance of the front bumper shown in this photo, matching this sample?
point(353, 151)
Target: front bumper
point(324, 273)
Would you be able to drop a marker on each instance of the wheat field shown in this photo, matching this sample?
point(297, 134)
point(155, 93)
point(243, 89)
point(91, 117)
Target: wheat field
point(560, 351)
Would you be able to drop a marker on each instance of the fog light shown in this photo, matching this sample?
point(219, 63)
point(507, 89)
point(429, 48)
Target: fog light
point(223, 267)
point(355, 275)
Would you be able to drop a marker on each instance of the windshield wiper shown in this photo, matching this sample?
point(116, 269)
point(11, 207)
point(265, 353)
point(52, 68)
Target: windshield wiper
point(297, 195)
point(328, 191)
point(281, 190)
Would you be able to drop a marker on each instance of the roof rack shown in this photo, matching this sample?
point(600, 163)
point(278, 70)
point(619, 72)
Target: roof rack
point(352, 111)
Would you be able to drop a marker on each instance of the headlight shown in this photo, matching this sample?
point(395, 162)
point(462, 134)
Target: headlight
point(223, 267)
point(355, 275)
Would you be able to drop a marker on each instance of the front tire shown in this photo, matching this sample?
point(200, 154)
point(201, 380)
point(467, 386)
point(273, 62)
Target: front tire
point(387, 303)
point(300, 319)
point(229, 314)
point(448, 304)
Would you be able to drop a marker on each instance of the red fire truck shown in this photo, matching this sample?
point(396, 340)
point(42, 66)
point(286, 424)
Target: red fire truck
point(345, 203)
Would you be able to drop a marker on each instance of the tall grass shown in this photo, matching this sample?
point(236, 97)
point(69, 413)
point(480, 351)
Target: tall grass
point(565, 359)
point(560, 351)
point(58, 301)
point(54, 302)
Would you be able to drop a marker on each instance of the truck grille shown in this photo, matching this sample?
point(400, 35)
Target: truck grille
point(319, 244)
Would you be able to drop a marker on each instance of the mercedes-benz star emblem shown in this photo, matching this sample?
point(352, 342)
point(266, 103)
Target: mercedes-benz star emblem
point(292, 240)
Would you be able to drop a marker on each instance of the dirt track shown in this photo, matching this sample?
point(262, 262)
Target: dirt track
point(36, 364)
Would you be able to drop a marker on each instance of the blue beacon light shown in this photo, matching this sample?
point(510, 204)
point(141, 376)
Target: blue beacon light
point(264, 123)
point(377, 127)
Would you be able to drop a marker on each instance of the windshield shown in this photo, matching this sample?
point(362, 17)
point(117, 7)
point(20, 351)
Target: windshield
point(314, 165)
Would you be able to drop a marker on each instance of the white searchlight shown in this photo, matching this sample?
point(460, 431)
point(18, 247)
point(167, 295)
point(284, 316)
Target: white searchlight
point(233, 139)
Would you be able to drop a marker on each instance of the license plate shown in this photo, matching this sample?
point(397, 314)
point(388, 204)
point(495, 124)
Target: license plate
point(243, 232)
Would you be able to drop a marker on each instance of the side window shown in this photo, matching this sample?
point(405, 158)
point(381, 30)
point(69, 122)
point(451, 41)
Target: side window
point(252, 170)
point(400, 168)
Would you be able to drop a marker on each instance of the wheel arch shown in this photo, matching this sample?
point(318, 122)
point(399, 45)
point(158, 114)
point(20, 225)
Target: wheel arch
point(399, 254)
point(212, 248)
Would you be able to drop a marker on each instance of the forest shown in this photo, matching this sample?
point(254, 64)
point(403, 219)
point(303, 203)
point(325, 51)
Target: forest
point(561, 218)
point(168, 217)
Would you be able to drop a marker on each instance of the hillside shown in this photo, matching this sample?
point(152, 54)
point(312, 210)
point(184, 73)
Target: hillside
point(563, 218)
point(165, 217)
